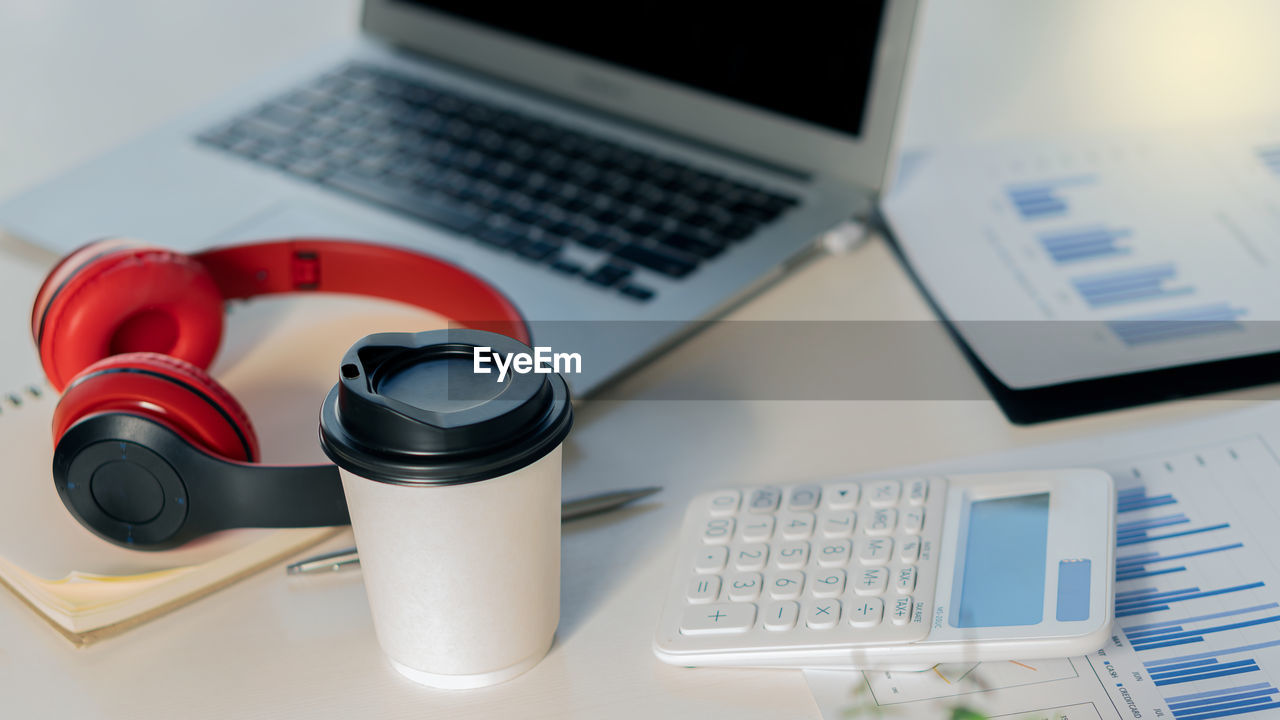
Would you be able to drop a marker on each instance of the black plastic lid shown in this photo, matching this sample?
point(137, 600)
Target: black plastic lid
point(409, 409)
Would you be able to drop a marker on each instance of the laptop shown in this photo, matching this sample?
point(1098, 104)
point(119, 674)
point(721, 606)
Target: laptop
point(620, 176)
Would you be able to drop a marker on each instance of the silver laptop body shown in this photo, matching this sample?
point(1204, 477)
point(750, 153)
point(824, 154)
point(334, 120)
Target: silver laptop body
point(175, 189)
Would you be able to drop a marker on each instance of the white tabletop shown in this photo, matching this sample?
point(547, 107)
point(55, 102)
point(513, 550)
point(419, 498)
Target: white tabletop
point(80, 77)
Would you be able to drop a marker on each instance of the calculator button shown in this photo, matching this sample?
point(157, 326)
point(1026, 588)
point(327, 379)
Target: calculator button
point(791, 555)
point(884, 494)
point(796, 526)
point(803, 497)
point(784, 585)
point(875, 551)
point(900, 610)
point(871, 581)
point(833, 553)
point(743, 586)
point(913, 521)
point(841, 496)
point(909, 550)
point(724, 502)
point(881, 522)
point(904, 580)
point(865, 612)
point(749, 557)
point(717, 619)
point(822, 614)
point(756, 528)
point(704, 589)
point(764, 500)
point(781, 615)
point(717, 531)
point(827, 583)
point(920, 614)
point(917, 491)
point(711, 560)
point(837, 524)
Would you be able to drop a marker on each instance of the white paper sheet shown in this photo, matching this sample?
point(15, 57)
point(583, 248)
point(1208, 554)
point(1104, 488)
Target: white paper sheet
point(1063, 261)
point(1197, 630)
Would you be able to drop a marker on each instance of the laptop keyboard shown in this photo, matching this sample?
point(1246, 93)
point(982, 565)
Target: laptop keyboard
point(511, 181)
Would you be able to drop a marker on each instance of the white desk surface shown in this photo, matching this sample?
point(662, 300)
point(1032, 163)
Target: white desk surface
point(79, 77)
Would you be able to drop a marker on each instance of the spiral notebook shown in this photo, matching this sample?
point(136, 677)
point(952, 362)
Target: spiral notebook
point(278, 357)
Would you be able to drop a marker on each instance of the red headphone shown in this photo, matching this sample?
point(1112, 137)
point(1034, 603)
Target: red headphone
point(150, 450)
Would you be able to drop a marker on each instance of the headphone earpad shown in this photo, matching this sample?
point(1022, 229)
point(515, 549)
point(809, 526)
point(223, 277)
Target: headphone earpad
point(118, 296)
point(174, 392)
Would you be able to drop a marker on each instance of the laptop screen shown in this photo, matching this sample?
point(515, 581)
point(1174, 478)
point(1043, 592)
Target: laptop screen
point(807, 64)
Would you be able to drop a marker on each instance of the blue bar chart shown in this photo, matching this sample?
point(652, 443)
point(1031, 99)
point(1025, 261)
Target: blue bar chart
point(1113, 264)
point(1162, 528)
point(1172, 611)
point(1142, 565)
point(1044, 199)
point(1178, 324)
point(1136, 498)
point(1147, 282)
point(1150, 600)
point(1172, 633)
point(1225, 702)
point(1085, 243)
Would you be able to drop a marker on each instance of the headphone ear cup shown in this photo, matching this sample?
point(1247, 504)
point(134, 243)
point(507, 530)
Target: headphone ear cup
point(173, 392)
point(119, 296)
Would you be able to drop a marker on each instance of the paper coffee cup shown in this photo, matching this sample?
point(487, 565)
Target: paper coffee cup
point(452, 479)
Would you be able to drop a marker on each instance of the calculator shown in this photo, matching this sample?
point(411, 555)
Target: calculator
point(897, 574)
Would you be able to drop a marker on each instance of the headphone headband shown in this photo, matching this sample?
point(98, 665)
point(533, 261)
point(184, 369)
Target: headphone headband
point(150, 450)
point(340, 266)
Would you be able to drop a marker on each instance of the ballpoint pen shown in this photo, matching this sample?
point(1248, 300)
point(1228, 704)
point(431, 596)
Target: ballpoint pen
point(347, 558)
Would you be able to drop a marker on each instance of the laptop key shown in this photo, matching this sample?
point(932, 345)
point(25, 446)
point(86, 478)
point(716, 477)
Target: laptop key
point(309, 169)
point(449, 214)
point(707, 218)
point(277, 156)
point(283, 116)
point(499, 237)
point(640, 227)
point(599, 240)
point(762, 213)
point(703, 247)
point(568, 267)
point(636, 292)
point(655, 260)
point(605, 215)
point(562, 229)
point(608, 275)
point(536, 249)
point(738, 229)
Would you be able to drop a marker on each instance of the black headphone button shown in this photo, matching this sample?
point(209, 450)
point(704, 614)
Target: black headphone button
point(127, 491)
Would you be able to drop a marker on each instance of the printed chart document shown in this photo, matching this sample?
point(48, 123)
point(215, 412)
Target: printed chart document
point(1066, 261)
point(1197, 616)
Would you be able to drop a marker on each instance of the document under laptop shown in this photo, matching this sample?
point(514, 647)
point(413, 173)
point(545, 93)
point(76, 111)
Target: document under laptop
point(1062, 262)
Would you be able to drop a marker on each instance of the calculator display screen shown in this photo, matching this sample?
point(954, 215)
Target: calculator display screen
point(1003, 571)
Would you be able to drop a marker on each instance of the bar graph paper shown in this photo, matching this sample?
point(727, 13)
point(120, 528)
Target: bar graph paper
point(1196, 634)
point(1158, 250)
